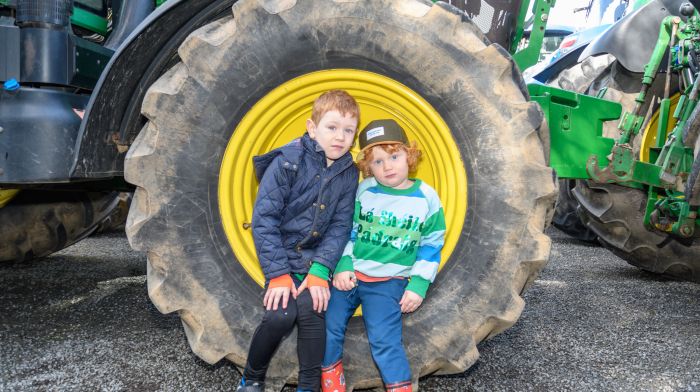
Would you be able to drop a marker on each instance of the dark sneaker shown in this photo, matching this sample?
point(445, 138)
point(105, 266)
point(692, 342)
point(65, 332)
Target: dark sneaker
point(250, 386)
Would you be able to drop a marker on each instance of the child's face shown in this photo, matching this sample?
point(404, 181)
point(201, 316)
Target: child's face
point(390, 169)
point(334, 133)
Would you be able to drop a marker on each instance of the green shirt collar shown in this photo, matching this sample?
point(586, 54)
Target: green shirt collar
point(400, 192)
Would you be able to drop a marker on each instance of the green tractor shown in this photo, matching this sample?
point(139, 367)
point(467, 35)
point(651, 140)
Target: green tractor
point(624, 196)
point(173, 100)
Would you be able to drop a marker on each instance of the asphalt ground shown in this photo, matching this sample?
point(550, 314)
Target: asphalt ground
point(81, 320)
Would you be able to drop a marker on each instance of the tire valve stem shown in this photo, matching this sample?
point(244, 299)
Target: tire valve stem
point(246, 225)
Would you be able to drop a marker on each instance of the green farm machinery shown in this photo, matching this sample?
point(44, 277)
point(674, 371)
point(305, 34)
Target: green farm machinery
point(634, 181)
point(171, 100)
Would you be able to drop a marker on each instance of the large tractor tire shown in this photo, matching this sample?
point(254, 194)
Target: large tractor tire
point(246, 83)
point(577, 78)
point(616, 213)
point(566, 216)
point(580, 76)
point(691, 138)
point(38, 223)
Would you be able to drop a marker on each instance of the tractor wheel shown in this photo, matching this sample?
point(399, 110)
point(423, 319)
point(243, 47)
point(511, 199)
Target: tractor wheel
point(116, 221)
point(691, 138)
point(38, 223)
point(577, 78)
point(566, 216)
point(581, 75)
point(692, 188)
point(246, 84)
point(616, 213)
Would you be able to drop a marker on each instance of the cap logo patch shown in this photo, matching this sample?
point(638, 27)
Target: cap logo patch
point(375, 132)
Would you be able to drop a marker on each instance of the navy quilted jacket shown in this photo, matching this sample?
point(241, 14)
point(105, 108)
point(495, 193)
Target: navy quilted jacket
point(303, 211)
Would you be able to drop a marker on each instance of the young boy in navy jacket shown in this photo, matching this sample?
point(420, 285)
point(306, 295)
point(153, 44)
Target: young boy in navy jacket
point(301, 222)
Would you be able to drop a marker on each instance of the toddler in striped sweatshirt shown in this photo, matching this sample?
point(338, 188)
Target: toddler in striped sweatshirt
point(392, 256)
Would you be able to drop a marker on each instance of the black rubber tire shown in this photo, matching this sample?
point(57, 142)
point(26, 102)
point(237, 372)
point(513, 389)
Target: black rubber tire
point(622, 86)
point(116, 221)
point(566, 216)
point(692, 187)
point(616, 213)
point(577, 78)
point(38, 223)
point(231, 63)
point(691, 138)
point(691, 131)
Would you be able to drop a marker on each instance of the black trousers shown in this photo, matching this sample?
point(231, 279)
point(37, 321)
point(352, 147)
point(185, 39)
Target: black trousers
point(277, 325)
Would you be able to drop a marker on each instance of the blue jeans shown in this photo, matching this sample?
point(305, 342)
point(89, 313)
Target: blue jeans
point(382, 316)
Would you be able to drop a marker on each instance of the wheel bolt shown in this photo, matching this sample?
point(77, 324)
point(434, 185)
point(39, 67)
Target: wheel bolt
point(685, 230)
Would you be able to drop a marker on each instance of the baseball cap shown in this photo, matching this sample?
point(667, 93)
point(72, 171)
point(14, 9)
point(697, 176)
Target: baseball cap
point(385, 131)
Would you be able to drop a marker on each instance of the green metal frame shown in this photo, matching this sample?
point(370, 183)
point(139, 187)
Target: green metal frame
point(519, 26)
point(529, 56)
point(575, 128)
point(578, 149)
point(89, 21)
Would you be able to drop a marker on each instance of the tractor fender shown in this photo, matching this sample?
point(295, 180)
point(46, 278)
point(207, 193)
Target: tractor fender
point(631, 40)
point(566, 61)
point(112, 118)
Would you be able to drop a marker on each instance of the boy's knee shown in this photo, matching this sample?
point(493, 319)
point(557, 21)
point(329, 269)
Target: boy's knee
point(386, 343)
point(280, 319)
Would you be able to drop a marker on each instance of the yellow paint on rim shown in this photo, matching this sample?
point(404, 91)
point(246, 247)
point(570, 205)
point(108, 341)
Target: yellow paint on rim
point(6, 195)
point(280, 116)
point(651, 130)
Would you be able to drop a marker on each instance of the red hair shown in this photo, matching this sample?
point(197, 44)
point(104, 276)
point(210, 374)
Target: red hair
point(338, 100)
point(412, 156)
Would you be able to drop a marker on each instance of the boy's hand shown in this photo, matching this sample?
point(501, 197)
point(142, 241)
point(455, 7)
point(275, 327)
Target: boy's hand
point(410, 301)
point(273, 296)
point(319, 295)
point(345, 280)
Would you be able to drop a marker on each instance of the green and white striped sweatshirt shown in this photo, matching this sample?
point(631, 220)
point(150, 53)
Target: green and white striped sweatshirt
point(396, 233)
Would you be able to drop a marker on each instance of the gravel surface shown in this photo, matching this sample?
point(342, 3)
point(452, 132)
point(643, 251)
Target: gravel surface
point(81, 320)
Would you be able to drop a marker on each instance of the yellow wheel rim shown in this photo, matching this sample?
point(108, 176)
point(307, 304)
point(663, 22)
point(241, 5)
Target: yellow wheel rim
point(651, 130)
point(280, 116)
point(6, 195)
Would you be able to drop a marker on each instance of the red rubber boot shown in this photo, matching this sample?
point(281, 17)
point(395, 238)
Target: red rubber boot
point(333, 378)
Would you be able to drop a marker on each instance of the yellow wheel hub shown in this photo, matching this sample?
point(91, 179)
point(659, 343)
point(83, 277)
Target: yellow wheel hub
point(651, 130)
point(280, 116)
point(6, 195)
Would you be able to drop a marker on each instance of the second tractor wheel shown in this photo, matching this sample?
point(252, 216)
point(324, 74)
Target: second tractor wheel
point(616, 213)
point(577, 78)
point(38, 223)
point(566, 216)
